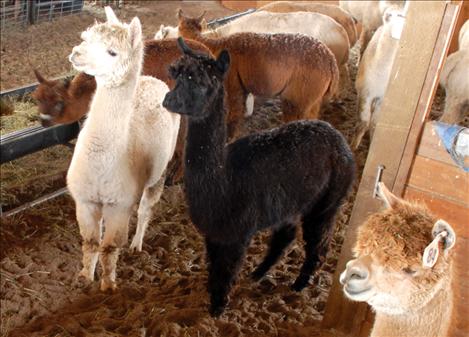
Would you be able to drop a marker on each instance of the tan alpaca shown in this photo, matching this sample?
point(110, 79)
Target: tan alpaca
point(388, 273)
point(124, 146)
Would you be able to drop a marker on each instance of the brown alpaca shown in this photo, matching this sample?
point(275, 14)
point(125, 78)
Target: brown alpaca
point(388, 273)
point(299, 69)
point(63, 102)
point(338, 14)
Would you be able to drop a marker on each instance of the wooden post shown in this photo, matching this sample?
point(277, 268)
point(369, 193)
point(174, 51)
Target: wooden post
point(410, 89)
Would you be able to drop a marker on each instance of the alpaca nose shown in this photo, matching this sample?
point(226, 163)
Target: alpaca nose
point(74, 54)
point(355, 272)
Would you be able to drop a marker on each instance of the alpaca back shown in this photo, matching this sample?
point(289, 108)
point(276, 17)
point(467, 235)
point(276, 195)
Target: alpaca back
point(299, 60)
point(319, 26)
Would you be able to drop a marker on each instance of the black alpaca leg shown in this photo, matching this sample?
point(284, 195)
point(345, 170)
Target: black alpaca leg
point(224, 262)
point(317, 233)
point(281, 238)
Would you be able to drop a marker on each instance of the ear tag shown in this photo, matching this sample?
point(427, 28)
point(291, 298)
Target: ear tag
point(431, 252)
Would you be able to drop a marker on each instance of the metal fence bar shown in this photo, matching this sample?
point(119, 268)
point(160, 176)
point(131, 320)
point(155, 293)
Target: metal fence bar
point(26, 141)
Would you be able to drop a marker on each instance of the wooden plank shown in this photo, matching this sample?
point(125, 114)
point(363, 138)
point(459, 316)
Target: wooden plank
point(443, 180)
point(397, 111)
point(427, 93)
point(432, 147)
point(455, 214)
point(460, 322)
point(463, 16)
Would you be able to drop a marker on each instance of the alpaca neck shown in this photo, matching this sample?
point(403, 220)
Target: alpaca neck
point(209, 39)
point(205, 155)
point(112, 105)
point(429, 321)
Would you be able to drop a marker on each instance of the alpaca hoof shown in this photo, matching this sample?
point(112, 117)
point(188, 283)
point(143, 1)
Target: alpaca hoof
point(216, 311)
point(136, 246)
point(257, 274)
point(85, 275)
point(298, 285)
point(108, 286)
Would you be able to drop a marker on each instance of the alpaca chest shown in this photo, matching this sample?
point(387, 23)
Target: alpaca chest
point(100, 170)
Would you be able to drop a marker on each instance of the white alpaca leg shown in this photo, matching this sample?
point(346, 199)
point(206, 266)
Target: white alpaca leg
point(452, 113)
point(88, 217)
point(150, 197)
point(116, 228)
point(249, 105)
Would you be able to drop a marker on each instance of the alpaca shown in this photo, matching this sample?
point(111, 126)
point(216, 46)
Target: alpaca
point(62, 102)
point(273, 179)
point(374, 72)
point(454, 79)
point(298, 68)
point(338, 14)
point(410, 293)
point(370, 15)
point(123, 148)
point(319, 26)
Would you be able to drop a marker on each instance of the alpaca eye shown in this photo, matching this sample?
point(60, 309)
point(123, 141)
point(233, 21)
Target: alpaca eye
point(111, 52)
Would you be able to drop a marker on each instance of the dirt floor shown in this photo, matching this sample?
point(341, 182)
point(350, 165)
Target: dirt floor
point(162, 289)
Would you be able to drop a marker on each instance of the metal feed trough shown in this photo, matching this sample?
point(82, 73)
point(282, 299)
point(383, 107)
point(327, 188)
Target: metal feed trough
point(30, 140)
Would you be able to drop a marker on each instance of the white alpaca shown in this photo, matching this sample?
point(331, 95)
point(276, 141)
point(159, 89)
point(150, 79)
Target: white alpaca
point(455, 80)
point(374, 71)
point(124, 147)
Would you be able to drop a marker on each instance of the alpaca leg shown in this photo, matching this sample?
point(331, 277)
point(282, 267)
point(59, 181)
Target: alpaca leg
point(317, 233)
point(88, 217)
point(116, 220)
point(454, 110)
point(281, 238)
point(150, 197)
point(291, 112)
point(344, 80)
point(236, 105)
point(224, 262)
point(314, 110)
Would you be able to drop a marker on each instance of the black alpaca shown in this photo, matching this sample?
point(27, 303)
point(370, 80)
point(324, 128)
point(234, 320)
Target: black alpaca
point(300, 171)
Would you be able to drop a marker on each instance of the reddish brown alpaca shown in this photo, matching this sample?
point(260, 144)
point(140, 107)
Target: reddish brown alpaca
point(299, 69)
point(62, 102)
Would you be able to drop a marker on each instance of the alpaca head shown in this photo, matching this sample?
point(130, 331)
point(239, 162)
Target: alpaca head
point(191, 27)
point(51, 97)
point(110, 51)
point(198, 78)
point(166, 32)
point(388, 272)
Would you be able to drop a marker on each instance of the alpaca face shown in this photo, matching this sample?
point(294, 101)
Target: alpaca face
point(388, 273)
point(109, 50)
point(51, 99)
point(190, 27)
point(198, 80)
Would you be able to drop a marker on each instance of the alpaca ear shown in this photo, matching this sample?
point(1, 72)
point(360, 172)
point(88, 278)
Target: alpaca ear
point(223, 61)
point(201, 17)
point(450, 237)
point(135, 30)
point(390, 200)
point(111, 16)
point(179, 14)
point(204, 25)
point(39, 77)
